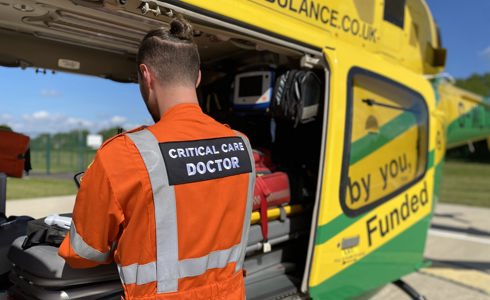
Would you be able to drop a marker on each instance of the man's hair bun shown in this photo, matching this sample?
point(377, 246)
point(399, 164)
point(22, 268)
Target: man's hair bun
point(181, 29)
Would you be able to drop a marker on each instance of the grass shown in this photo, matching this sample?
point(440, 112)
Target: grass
point(466, 183)
point(34, 187)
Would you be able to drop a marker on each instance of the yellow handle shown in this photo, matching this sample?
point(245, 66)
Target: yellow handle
point(275, 213)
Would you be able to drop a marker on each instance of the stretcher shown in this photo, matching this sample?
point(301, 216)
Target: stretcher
point(39, 273)
point(280, 230)
point(269, 270)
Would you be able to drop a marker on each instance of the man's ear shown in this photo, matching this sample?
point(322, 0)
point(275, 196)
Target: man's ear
point(146, 75)
point(198, 78)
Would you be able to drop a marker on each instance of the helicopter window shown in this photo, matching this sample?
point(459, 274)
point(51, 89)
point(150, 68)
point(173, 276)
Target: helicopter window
point(395, 12)
point(386, 141)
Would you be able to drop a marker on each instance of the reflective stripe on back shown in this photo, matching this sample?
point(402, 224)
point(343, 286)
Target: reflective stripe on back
point(139, 274)
point(248, 212)
point(165, 211)
point(216, 259)
point(142, 274)
point(167, 269)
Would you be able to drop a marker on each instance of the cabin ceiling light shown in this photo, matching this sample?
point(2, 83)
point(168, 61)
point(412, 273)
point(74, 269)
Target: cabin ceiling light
point(151, 6)
point(243, 44)
point(141, 20)
point(24, 7)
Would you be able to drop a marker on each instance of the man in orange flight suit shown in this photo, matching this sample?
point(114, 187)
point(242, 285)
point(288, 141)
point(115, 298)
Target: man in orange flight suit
point(169, 203)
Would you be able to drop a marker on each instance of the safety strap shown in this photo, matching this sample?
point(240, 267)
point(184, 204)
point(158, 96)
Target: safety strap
point(167, 269)
point(263, 206)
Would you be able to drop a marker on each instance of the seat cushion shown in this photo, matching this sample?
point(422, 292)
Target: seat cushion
point(42, 265)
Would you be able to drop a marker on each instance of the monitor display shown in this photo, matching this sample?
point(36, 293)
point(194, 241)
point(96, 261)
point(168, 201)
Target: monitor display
point(250, 86)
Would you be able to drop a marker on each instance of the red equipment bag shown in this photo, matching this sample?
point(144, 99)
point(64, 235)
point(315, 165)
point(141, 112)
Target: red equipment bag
point(13, 147)
point(270, 190)
point(273, 189)
point(263, 162)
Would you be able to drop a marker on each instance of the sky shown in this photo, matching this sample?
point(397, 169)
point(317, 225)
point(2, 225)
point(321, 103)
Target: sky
point(35, 103)
point(465, 32)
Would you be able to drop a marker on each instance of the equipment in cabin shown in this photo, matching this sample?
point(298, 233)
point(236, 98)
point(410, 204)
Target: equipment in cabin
point(47, 231)
point(60, 221)
point(14, 159)
point(296, 97)
point(39, 273)
point(271, 190)
point(253, 90)
point(10, 229)
point(13, 149)
point(263, 162)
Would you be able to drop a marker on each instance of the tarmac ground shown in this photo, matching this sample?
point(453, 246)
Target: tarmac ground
point(459, 248)
point(40, 207)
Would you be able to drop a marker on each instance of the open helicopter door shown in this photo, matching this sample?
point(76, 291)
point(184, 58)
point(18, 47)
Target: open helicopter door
point(320, 179)
point(375, 187)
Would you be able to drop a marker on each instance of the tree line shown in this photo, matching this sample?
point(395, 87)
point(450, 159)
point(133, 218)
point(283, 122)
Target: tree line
point(70, 140)
point(476, 83)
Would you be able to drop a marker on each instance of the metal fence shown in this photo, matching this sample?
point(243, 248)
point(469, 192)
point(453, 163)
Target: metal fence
point(60, 153)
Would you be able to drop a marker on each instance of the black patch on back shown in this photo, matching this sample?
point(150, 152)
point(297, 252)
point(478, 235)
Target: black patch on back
point(192, 161)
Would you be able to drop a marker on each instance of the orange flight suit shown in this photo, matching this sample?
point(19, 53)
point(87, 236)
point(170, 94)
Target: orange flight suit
point(175, 215)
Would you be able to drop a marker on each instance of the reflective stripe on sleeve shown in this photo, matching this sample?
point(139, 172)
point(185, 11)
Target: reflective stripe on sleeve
point(83, 249)
point(248, 212)
point(165, 211)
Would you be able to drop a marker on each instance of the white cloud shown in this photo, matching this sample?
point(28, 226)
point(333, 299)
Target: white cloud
point(50, 93)
point(38, 115)
point(117, 120)
point(44, 121)
point(77, 122)
point(485, 53)
point(5, 117)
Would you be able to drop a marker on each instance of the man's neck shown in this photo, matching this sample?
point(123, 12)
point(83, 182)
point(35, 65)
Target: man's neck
point(169, 96)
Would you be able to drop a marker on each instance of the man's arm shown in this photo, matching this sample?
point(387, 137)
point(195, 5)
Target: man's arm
point(97, 217)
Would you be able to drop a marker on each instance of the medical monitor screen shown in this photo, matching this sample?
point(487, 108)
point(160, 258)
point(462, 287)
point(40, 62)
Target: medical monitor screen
point(250, 86)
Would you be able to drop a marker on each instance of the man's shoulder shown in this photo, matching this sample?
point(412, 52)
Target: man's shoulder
point(117, 143)
point(224, 129)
